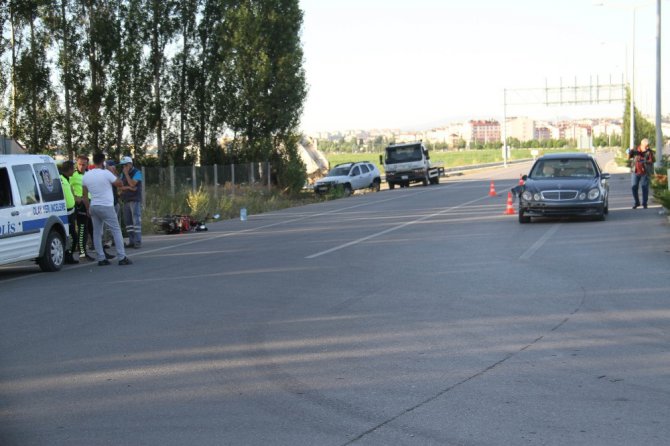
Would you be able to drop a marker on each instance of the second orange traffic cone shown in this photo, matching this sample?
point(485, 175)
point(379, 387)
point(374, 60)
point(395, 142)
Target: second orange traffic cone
point(510, 206)
point(492, 190)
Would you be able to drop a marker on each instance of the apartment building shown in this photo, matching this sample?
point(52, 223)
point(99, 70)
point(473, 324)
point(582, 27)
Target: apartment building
point(520, 128)
point(482, 132)
point(607, 128)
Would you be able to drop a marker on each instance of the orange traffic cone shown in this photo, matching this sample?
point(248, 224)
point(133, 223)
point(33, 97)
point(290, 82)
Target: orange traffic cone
point(492, 190)
point(510, 206)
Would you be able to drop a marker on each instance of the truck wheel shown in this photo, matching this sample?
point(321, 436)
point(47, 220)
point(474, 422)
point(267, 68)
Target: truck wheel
point(54, 253)
point(426, 180)
point(391, 185)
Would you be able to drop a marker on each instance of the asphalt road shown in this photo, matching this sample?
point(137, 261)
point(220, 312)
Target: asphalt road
point(419, 316)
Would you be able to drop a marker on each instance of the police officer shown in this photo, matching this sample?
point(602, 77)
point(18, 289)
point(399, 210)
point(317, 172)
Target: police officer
point(80, 208)
point(66, 171)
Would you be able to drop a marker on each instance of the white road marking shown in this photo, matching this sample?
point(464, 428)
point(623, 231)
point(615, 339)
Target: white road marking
point(538, 244)
point(394, 228)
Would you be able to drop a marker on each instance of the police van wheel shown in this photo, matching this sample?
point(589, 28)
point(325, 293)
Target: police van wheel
point(54, 253)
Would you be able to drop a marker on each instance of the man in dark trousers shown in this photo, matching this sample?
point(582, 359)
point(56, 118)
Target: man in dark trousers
point(131, 197)
point(80, 210)
point(66, 170)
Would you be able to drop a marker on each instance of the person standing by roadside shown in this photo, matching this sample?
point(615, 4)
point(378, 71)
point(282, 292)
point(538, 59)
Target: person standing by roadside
point(66, 171)
point(99, 183)
point(642, 168)
point(80, 210)
point(131, 196)
point(107, 237)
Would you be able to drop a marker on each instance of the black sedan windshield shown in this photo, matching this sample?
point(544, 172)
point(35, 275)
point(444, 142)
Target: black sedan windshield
point(564, 168)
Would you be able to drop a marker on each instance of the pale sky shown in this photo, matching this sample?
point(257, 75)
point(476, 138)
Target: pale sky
point(416, 64)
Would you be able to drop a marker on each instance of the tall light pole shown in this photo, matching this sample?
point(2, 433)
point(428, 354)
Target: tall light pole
point(659, 129)
point(632, 87)
point(504, 127)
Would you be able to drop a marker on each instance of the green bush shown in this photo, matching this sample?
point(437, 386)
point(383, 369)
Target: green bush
point(663, 197)
point(198, 203)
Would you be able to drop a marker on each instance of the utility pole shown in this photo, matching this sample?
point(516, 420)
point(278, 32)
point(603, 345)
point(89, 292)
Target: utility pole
point(632, 91)
point(505, 127)
point(659, 129)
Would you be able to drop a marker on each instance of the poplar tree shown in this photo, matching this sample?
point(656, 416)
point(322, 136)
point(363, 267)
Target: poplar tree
point(126, 74)
point(643, 128)
point(264, 82)
point(61, 22)
point(140, 79)
point(209, 119)
point(159, 31)
point(100, 44)
point(32, 114)
point(4, 76)
point(181, 74)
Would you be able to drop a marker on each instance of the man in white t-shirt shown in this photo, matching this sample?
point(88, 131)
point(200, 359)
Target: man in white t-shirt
point(98, 182)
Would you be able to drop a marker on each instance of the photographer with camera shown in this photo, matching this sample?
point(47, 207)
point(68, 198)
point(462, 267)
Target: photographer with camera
point(642, 167)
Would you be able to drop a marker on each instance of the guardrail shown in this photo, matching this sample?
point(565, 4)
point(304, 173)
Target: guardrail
point(448, 171)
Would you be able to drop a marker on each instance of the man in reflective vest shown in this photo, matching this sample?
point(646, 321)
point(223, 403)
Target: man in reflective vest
point(66, 171)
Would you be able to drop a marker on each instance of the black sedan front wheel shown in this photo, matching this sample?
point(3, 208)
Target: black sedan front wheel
point(523, 218)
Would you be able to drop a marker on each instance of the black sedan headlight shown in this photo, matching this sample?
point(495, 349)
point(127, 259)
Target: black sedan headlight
point(592, 195)
point(529, 196)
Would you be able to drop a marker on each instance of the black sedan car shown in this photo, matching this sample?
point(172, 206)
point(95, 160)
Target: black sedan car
point(564, 184)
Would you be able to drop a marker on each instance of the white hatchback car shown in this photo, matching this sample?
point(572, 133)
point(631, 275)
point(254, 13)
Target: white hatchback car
point(33, 215)
point(350, 177)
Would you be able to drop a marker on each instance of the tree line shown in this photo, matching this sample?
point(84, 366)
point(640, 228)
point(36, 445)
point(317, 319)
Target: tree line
point(377, 144)
point(122, 75)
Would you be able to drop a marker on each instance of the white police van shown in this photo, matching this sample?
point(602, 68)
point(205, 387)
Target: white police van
point(33, 215)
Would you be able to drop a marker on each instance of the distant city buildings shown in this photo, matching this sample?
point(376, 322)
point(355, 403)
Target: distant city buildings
point(484, 131)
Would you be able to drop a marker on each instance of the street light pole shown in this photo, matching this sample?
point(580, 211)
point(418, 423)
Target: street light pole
point(504, 127)
point(632, 90)
point(659, 129)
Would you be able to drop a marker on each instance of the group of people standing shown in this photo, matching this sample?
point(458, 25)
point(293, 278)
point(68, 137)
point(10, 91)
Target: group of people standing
point(94, 195)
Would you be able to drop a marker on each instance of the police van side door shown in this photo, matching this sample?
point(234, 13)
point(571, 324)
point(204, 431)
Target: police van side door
point(9, 218)
point(20, 239)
